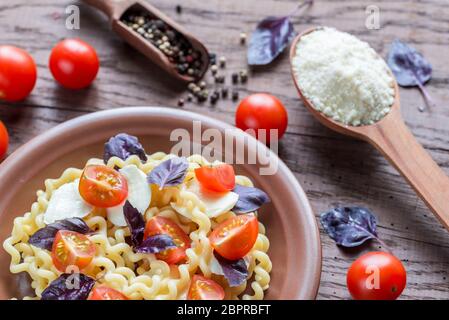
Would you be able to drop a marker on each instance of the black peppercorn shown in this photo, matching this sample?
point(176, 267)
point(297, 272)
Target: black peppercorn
point(235, 78)
point(180, 102)
point(178, 9)
point(235, 95)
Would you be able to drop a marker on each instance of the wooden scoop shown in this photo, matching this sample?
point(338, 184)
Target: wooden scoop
point(394, 140)
point(115, 9)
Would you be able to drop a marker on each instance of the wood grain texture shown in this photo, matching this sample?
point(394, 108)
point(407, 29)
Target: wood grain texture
point(333, 169)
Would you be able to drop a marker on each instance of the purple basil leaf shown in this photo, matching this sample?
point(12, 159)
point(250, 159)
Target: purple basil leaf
point(270, 38)
point(169, 173)
point(122, 146)
point(250, 199)
point(43, 238)
point(135, 222)
point(236, 272)
point(408, 65)
point(156, 244)
point(69, 286)
point(349, 226)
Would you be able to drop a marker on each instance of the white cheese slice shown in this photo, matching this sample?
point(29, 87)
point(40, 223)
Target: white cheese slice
point(66, 202)
point(215, 203)
point(139, 194)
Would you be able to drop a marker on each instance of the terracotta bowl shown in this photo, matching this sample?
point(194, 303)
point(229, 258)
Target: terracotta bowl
point(291, 226)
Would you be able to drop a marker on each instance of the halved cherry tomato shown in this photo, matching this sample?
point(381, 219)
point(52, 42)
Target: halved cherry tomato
point(18, 73)
point(202, 288)
point(74, 63)
point(161, 225)
point(376, 276)
point(235, 237)
point(72, 249)
point(4, 140)
point(219, 178)
point(102, 186)
point(106, 293)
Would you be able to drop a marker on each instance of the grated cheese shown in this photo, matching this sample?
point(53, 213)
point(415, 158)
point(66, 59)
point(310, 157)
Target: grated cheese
point(343, 77)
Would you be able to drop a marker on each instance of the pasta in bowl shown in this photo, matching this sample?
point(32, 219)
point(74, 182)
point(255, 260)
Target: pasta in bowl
point(138, 226)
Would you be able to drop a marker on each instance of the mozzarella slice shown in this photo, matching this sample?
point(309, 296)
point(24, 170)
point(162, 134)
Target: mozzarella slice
point(139, 194)
point(215, 203)
point(66, 202)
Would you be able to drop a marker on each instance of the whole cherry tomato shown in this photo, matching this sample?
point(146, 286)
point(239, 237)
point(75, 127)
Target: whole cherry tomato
point(4, 140)
point(376, 276)
point(262, 111)
point(74, 63)
point(18, 73)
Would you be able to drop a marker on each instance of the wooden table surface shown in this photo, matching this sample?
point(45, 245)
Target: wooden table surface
point(332, 169)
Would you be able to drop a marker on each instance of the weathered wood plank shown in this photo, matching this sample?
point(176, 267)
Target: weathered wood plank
point(332, 169)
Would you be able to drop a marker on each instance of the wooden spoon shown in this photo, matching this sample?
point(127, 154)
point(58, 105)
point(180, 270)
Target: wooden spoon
point(115, 9)
point(394, 140)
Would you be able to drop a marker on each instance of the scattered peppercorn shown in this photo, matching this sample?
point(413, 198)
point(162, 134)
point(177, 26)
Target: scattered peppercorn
point(213, 58)
point(202, 84)
point(180, 102)
point(222, 62)
point(214, 69)
point(219, 79)
point(189, 97)
point(235, 95)
point(235, 78)
point(224, 92)
point(178, 9)
point(242, 38)
point(243, 76)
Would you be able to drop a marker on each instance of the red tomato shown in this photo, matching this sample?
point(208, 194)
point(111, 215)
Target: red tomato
point(219, 178)
point(72, 249)
point(4, 140)
point(161, 225)
point(106, 293)
point(235, 237)
point(74, 63)
point(18, 73)
point(262, 111)
point(376, 276)
point(202, 288)
point(102, 186)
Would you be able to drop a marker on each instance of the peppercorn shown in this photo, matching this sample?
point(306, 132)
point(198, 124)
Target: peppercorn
point(213, 58)
point(222, 62)
point(219, 79)
point(224, 92)
point(180, 102)
point(178, 9)
point(243, 76)
point(202, 84)
point(235, 78)
point(242, 38)
point(214, 69)
point(235, 95)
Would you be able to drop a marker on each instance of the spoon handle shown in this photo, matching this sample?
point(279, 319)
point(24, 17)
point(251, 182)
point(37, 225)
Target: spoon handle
point(107, 6)
point(400, 147)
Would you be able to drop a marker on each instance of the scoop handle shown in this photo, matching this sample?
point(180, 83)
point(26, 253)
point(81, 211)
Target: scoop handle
point(107, 6)
point(394, 139)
